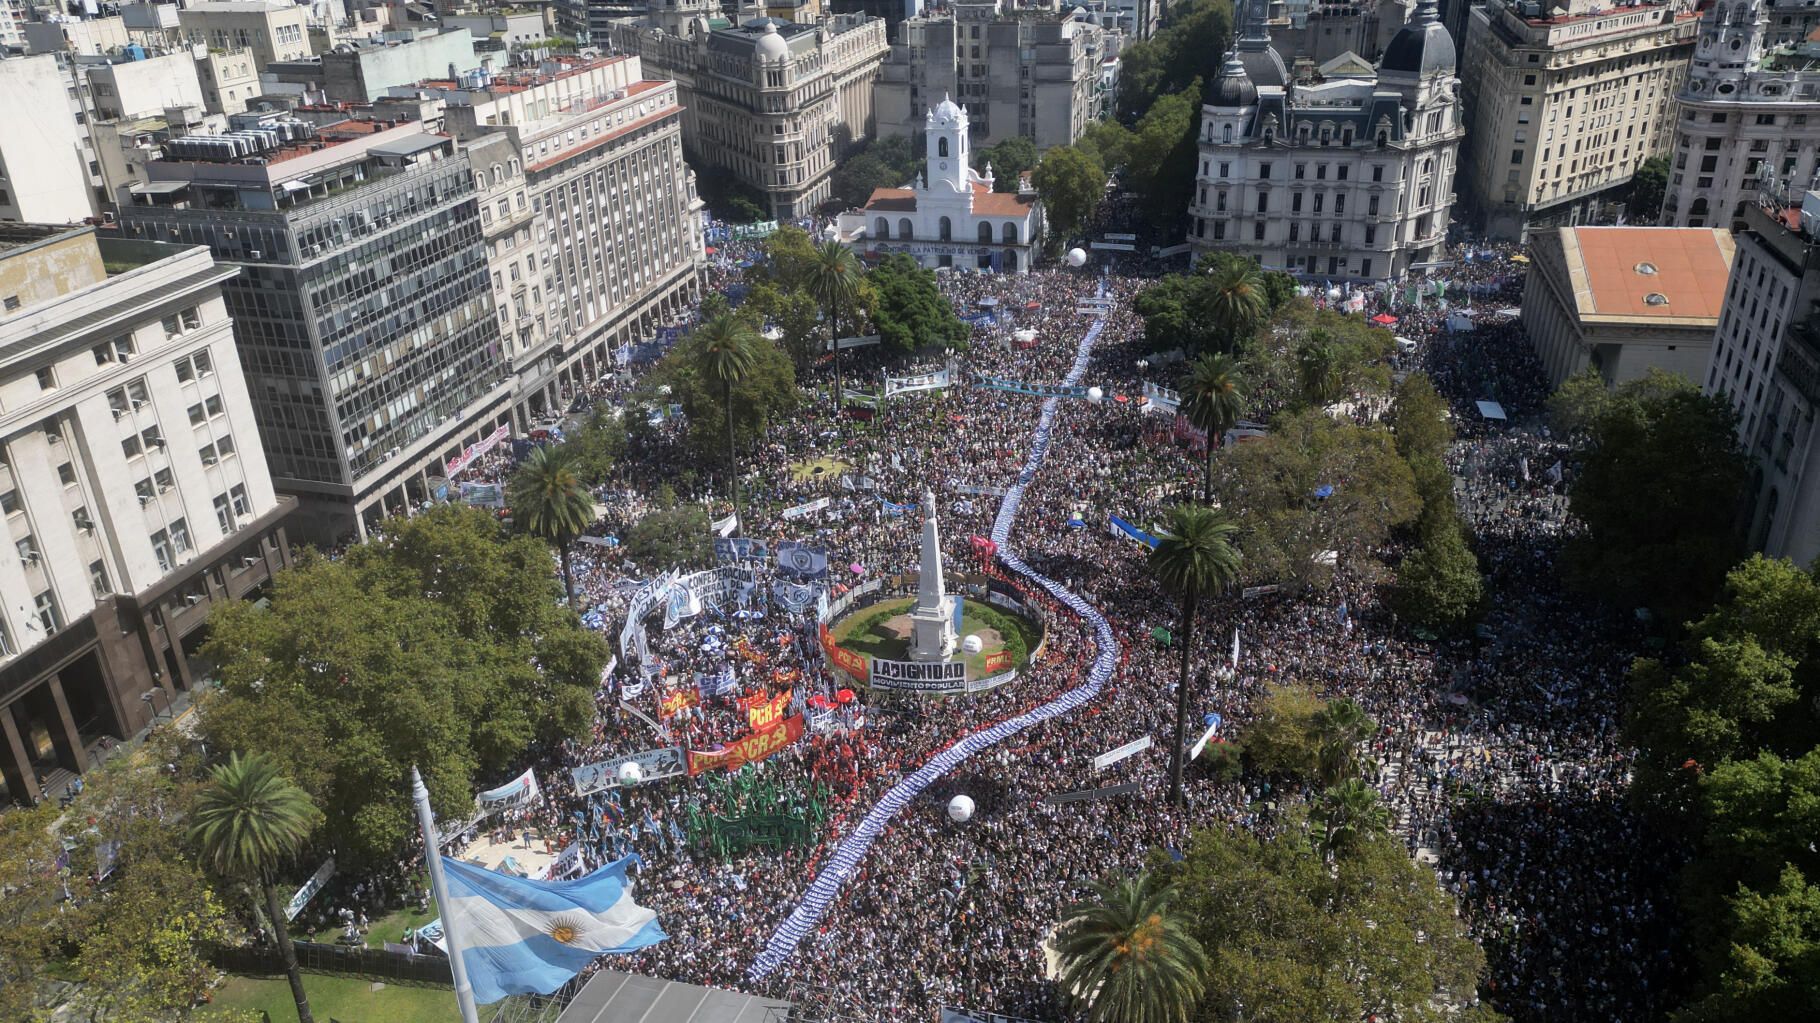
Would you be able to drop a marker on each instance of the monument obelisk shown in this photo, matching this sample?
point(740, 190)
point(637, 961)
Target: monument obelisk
point(932, 635)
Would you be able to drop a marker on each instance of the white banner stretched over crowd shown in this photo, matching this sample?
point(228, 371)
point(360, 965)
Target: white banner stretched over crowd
point(315, 884)
point(919, 676)
point(653, 765)
point(1113, 756)
point(453, 467)
point(726, 526)
point(521, 789)
point(918, 382)
point(979, 490)
point(807, 509)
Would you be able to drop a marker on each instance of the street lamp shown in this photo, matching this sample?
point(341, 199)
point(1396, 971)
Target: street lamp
point(150, 696)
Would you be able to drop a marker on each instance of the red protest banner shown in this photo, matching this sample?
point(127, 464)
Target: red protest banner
point(844, 659)
point(749, 749)
point(998, 662)
point(674, 703)
point(764, 714)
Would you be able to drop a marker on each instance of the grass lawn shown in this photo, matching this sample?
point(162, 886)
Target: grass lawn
point(345, 998)
point(883, 630)
point(387, 928)
point(823, 468)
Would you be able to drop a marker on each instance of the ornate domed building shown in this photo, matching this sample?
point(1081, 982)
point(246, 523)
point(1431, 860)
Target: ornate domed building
point(1348, 176)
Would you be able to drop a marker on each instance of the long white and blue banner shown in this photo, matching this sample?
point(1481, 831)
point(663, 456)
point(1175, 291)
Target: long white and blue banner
point(1039, 390)
point(919, 382)
point(847, 858)
point(1126, 531)
point(1162, 399)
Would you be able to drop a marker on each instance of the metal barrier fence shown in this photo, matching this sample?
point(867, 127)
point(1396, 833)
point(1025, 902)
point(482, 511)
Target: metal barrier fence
point(313, 957)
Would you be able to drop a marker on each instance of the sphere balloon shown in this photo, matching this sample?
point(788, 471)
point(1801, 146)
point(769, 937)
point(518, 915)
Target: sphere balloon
point(1095, 394)
point(664, 389)
point(1077, 257)
point(960, 809)
point(630, 773)
point(1333, 294)
point(972, 644)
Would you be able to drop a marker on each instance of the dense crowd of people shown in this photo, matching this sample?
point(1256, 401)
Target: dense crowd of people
point(1498, 754)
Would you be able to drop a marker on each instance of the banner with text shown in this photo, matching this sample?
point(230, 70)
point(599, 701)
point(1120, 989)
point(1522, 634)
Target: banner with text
point(653, 765)
point(749, 749)
point(919, 676)
point(453, 467)
point(808, 508)
point(1038, 390)
point(917, 382)
point(842, 658)
point(765, 713)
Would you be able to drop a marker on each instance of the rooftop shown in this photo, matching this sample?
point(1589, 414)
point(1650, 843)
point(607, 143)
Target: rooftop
point(1667, 273)
point(15, 237)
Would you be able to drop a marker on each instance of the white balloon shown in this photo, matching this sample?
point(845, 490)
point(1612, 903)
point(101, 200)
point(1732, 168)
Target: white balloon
point(630, 773)
point(1333, 293)
point(663, 389)
point(960, 809)
point(1077, 257)
point(972, 644)
point(1095, 394)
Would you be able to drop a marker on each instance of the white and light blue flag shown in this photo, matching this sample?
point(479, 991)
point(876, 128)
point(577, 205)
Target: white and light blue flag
point(521, 936)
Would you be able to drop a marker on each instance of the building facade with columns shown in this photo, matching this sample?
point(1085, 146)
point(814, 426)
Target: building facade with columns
point(593, 229)
point(1750, 106)
point(772, 103)
point(134, 494)
point(951, 217)
point(1346, 179)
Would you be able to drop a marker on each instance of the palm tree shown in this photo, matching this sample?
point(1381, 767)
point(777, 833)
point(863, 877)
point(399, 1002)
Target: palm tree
point(1238, 299)
point(729, 351)
point(249, 820)
point(1350, 812)
point(549, 499)
point(1214, 402)
point(1339, 728)
point(833, 279)
point(1127, 959)
point(1318, 366)
point(1196, 558)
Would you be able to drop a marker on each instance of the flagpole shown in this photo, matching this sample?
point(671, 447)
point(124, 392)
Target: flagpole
point(432, 854)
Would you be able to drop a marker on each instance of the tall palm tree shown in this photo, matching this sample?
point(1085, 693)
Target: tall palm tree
point(1350, 812)
point(729, 351)
point(1215, 401)
point(1339, 728)
point(1196, 559)
point(1318, 366)
point(1127, 959)
point(1238, 300)
point(549, 500)
point(249, 820)
point(833, 279)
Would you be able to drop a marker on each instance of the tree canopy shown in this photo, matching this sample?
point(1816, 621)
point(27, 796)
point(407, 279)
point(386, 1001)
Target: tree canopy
point(442, 645)
point(1189, 311)
point(1011, 157)
point(911, 313)
point(1071, 182)
point(1189, 45)
point(1648, 185)
point(1658, 489)
point(889, 161)
point(765, 392)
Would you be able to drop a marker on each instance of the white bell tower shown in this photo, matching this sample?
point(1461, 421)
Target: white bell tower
point(945, 132)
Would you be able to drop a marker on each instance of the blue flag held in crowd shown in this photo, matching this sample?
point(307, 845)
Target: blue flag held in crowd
point(530, 937)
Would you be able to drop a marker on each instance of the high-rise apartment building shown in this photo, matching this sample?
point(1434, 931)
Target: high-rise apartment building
point(772, 103)
point(44, 147)
point(1749, 107)
point(1564, 105)
point(1033, 73)
point(133, 489)
point(593, 229)
point(272, 30)
point(363, 309)
point(1345, 179)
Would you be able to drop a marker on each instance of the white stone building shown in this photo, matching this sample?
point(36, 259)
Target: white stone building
point(45, 152)
point(133, 487)
point(1346, 179)
point(951, 217)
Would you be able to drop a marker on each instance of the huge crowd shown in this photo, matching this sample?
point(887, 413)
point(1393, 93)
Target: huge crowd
point(1498, 753)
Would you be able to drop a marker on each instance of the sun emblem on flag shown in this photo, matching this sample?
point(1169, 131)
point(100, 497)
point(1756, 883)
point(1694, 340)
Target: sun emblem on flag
point(565, 930)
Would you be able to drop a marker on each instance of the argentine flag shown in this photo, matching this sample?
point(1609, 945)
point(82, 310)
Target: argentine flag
point(529, 937)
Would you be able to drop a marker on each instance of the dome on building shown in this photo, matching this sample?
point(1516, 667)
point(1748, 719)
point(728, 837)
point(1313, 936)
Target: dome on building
point(1422, 46)
point(1233, 87)
point(1262, 63)
point(945, 112)
point(772, 46)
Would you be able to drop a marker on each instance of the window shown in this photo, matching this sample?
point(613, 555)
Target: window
point(197, 416)
point(97, 579)
point(1295, 202)
point(1516, 156)
point(81, 519)
point(172, 326)
point(1377, 172)
point(1257, 230)
point(9, 502)
point(192, 318)
point(47, 612)
point(152, 436)
point(223, 516)
point(242, 506)
point(1339, 204)
point(28, 549)
point(204, 365)
point(226, 446)
point(164, 480)
point(161, 547)
point(185, 372)
point(180, 535)
point(1371, 206)
point(119, 349)
point(1263, 202)
point(1365, 265)
point(47, 379)
point(130, 447)
point(208, 454)
point(66, 474)
point(212, 405)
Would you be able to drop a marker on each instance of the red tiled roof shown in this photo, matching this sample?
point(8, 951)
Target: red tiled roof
point(985, 204)
point(891, 200)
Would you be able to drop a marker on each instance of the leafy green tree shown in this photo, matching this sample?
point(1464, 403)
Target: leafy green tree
point(1647, 187)
point(1110, 141)
point(596, 449)
point(797, 316)
point(887, 162)
point(1577, 404)
point(32, 907)
point(833, 278)
point(1418, 419)
point(1320, 369)
point(250, 821)
point(1438, 584)
point(1011, 157)
point(444, 644)
point(1071, 182)
point(1194, 560)
point(1658, 490)
point(1293, 937)
point(1770, 967)
point(549, 501)
point(1214, 401)
point(1350, 815)
point(675, 535)
point(1162, 154)
point(1189, 46)
point(764, 393)
point(143, 948)
point(1339, 728)
point(1127, 957)
point(728, 348)
point(1287, 532)
point(911, 312)
point(1284, 738)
